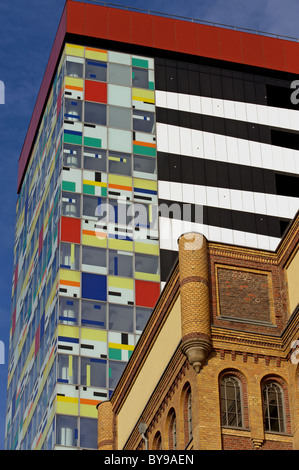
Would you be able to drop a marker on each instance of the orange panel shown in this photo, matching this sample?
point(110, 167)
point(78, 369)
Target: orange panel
point(252, 49)
point(208, 41)
point(164, 33)
point(142, 29)
point(75, 17)
point(230, 45)
point(96, 21)
point(291, 53)
point(274, 53)
point(186, 37)
point(119, 25)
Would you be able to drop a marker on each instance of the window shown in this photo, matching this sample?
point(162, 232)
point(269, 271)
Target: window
point(189, 415)
point(273, 407)
point(157, 442)
point(172, 431)
point(231, 406)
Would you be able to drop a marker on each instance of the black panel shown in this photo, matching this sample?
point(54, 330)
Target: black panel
point(285, 139)
point(287, 185)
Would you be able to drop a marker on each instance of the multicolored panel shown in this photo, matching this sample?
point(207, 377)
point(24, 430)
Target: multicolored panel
point(121, 345)
point(145, 191)
point(71, 180)
point(67, 399)
point(94, 183)
point(68, 339)
point(144, 144)
point(72, 133)
point(120, 290)
point(95, 136)
point(69, 283)
point(119, 187)
point(93, 343)
point(93, 234)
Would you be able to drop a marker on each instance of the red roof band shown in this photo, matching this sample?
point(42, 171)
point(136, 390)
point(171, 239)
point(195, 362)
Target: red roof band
point(161, 33)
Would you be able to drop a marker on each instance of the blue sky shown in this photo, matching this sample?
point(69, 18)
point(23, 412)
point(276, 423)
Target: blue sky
point(27, 32)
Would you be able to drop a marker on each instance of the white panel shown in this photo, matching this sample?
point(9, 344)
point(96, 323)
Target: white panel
point(248, 201)
point(172, 100)
point(162, 137)
point(184, 102)
point(236, 200)
point(229, 110)
point(175, 192)
point(283, 208)
point(267, 159)
point(293, 206)
point(294, 118)
point(227, 236)
point(188, 193)
point(212, 196)
point(185, 141)
point(163, 189)
point(195, 104)
point(232, 149)
point(197, 143)
point(289, 160)
point(214, 234)
point(263, 115)
point(160, 98)
point(173, 139)
point(224, 198)
point(206, 105)
point(251, 112)
point(255, 154)
point(220, 148)
point(209, 145)
point(277, 158)
point(239, 238)
point(284, 117)
point(260, 203)
point(250, 239)
point(200, 196)
point(274, 119)
point(240, 109)
point(177, 230)
point(263, 242)
point(217, 107)
point(165, 232)
point(271, 204)
point(243, 152)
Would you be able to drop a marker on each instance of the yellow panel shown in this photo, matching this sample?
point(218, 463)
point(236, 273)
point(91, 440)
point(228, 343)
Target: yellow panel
point(91, 240)
point(72, 49)
point(145, 184)
point(93, 335)
point(68, 275)
point(67, 405)
point(68, 331)
point(88, 411)
point(121, 282)
point(77, 82)
point(148, 248)
point(87, 375)
point(128, 347)
point(125, 245)
point(147, 276)
point(143, 95)
point(96, 54)
point(120, 180)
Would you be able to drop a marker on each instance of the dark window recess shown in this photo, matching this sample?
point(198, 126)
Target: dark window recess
point(287, 185)
point(168, 260)
point(280, 97)
point(288, 140)
point(283, 226)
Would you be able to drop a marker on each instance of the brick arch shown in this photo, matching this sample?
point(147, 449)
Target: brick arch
point(157, 441)
point(168, 428)
point(286, 402)
point(244, 392)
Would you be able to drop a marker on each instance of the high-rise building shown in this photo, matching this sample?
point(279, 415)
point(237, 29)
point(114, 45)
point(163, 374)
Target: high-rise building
point(138, 115)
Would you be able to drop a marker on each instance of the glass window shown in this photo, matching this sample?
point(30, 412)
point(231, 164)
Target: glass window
point(120, 212)
point(74, 67)
point(140, 78)
point(120, 263)
point(120, 163)
point(67, 369)
point(93, 372)
point(95, 70)
point(119, 74)
point(69, 255)
point(95, 113)
point(68, 311)
point(70, 204)
point(115, 371)
point(94, 260)
point(95, 159)
point(73, 110)
point(143, 121)
point(88, 433)
point(93, 314)
point(119, 96)
point(66, 430)
point(145, 167)
point(90, 205)
point(146, 264)
point(121, 318)
point(71, 156)
point(231, 407)
point(273, 408)
point(120, 117)
point(142, 316)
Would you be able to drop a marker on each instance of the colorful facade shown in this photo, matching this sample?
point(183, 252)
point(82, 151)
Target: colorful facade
point(141, 131)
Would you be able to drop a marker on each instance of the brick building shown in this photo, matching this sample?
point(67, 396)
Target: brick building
point(216, 366)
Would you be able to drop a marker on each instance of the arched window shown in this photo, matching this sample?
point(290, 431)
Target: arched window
point(189, 404)
point(172, 431)
point(187, 413)
point(274, 419)
point(231, 405)
point(157, 443)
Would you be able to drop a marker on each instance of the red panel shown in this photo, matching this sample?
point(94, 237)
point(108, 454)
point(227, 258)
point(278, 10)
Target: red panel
point(70, 230)
point(291, 53)
point(230, 45)
point(146, 293)
point(142, 29)
point(164, 33)
point(186, 37)
point(40, 240)
point(208, 41)
point(95, 91)
point(252, 49)
point(75, 17)
point(119, 28)
point(96, 19)
point(274, 53)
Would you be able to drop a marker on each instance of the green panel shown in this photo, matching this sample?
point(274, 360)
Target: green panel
point(68, 186)
point(140, 63)
point(104, 192)
point(114, 353)
point(93, 142)
point(151, 85)
point(88, 189)
point(72, 139)
point(142, 150)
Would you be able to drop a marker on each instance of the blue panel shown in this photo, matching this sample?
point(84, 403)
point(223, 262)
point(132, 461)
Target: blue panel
point(94, 286)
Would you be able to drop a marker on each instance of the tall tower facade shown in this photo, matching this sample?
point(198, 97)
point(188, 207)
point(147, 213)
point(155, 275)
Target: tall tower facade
point(141, 132)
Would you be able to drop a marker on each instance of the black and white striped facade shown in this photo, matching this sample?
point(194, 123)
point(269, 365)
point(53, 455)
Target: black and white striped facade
point(228, 142)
